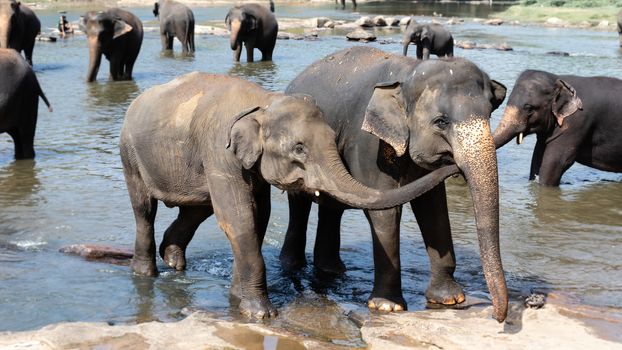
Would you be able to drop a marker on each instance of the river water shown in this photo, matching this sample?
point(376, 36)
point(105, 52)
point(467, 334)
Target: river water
point(566, 240)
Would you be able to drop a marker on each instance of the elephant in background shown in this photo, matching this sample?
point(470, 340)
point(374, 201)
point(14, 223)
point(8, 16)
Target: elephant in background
point(19, 26)
point(118, 35)
point(575, 119)
point(213, 144)
point(343, 4)
point(396, 119)
point(430, 38)
point(620, 26)
point(254, 26)
point(19, 102)
point(176, 20)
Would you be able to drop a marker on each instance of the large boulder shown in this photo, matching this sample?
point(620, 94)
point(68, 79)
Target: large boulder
point(379, 21)
point(365, 22)
point(361, 35)
point(405, 21)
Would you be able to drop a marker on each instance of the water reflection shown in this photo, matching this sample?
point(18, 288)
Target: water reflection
point(18, 183)
point(172, 287)
point(110, 94)
point(263, 73)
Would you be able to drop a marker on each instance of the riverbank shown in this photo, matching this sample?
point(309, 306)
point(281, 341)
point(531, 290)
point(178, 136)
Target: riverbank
point(546, 328)
point(603, 18)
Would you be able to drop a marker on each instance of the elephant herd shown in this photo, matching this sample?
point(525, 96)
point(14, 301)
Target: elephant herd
point(374, 131)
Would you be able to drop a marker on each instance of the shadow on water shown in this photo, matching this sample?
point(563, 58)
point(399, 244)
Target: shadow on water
point(18, 182)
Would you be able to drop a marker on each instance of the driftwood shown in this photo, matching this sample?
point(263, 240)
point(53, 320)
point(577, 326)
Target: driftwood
point(100, 253)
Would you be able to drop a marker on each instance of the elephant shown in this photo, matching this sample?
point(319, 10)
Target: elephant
point(254, 26)
point(213, 144)
point(19, 102)
point(19, 26)
point(176, 20)
point(343, 4)
point(118, 35)
point(382, 105)
point(430, 38)
point(620, 27)
point(575, 119)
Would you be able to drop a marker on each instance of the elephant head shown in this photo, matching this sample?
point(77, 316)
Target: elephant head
point(239, 23)
point(538, 102)
point(101, 28)
point(440, 114)
point(9, 23)
point(293, 148)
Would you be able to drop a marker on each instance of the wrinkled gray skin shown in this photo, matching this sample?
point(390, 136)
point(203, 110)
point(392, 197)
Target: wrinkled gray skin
point(576, 119)
point(395, 119)
point(212, 144)
point(118, 35)
point(19, 102)
point(254, 26)
point(19, 27)
point(620, 26)
point(176, 20)
point(430, 39)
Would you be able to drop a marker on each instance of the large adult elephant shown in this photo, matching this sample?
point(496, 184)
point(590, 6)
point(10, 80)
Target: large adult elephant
point(118, 35)
point(395, 119)
point(575, 119)
point(19, 102)
point(19, 26)
point(176, 20)
point(430, 38)
point(254, 26)
point(213, 144)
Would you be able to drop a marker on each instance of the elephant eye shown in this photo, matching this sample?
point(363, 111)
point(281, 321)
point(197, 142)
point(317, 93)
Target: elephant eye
point(441, 121)
point(529, 108)
point(299, 150)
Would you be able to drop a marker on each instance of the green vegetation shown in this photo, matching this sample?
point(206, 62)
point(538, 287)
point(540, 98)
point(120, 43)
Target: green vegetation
point(573, 12)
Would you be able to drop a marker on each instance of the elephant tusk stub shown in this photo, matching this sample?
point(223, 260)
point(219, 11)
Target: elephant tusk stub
point(317, 193)
point(519, 138)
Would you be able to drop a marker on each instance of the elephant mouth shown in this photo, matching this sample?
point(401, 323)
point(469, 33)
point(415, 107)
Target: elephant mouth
point(435, 162)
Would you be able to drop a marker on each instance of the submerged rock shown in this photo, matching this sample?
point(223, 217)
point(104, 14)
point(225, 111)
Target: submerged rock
point(361, 35)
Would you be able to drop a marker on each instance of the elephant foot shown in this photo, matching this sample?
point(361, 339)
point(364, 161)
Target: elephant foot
point(330, 265)
point(386, 305)
point(174, 256)
point(444, 292)
point(144, 267)
point(259, 308)
point(292, 262)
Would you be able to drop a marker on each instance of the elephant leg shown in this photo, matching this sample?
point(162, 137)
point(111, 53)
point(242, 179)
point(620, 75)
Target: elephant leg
point(164, 41)
point(419, 51)
point(293, 251)
point(250, 50)
point(266, 54)
point(556, 160)
point(237, 53)
point(536, 158)
point(385, 229)
point(431, 212)
point(28, 48)
point(240, 217)
point(328, 241)
point(180, 233)
point(23, 140)
point(116, 68)
point(145, 208)
point(169, 41)
point(128, 67)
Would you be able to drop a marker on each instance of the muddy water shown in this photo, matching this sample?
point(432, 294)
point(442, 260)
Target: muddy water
point(567, 240)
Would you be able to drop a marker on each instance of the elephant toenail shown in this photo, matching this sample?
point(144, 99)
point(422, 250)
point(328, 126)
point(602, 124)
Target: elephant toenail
point(385, 307)
point(371, 304)
point(398, 307)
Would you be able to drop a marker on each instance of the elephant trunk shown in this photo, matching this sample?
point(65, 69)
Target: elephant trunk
point(95, 58)
point(4, 33)
point(235, 32)
point(476, 156)
point(331, 176)
point(405, 44)
point(509, 127)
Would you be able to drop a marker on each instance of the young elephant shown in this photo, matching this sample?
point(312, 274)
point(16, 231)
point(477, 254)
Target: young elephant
point(397, 118)
point(429, 38)
point(19, 102)
point(176, 20)
point(574, 118)
point(213, 144)
point(254, 26)
point(118, 35)
point(19, 27)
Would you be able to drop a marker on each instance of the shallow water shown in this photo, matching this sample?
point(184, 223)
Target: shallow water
point(567, 239)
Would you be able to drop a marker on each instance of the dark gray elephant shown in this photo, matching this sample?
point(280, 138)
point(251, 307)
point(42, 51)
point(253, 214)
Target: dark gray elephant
point(397, 118)
point(254, 26)
point(213, 144)
point(19, 27)
point(620, 27)
point(19, 102)
point(575, 119)
point(118, 35)
point(343, 4)
point(430, 38)
point(176, 20)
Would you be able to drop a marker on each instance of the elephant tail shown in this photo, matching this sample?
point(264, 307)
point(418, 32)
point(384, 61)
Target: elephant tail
point(190, 37)
point(45, 99)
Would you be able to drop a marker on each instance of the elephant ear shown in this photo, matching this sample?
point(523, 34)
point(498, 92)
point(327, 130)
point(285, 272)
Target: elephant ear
point(252, 21)
point(385, 116)
point(565, 101)
point(244, 139)
point(426, 33)
point(498, 94)
point(121, 28)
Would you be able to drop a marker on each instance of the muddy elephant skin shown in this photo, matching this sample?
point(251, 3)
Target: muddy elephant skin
point(397, 118)
point(575, 119)
point(19, 26)
point(117, 34)
point(19, 102)
point(212, 144)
